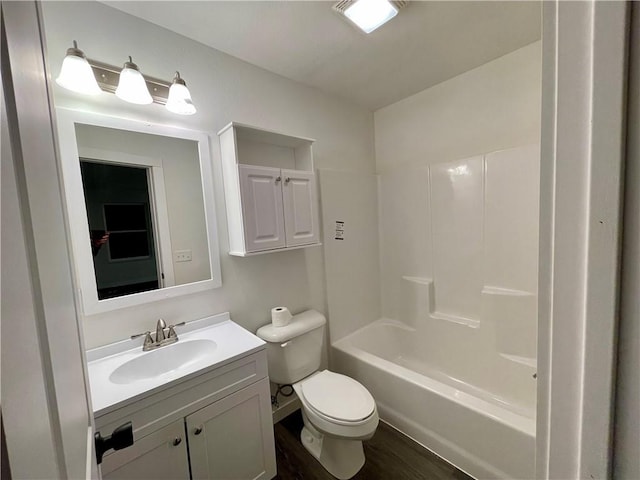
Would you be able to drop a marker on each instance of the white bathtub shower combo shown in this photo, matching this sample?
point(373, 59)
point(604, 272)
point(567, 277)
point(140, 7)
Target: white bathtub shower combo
point(452, 363)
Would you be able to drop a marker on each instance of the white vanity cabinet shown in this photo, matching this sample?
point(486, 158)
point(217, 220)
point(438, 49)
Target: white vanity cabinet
point(228, 439)
point(160, 455)
point(270, 190)
point(216, 425)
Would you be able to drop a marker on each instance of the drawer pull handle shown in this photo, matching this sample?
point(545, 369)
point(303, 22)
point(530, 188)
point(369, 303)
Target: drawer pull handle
point(278, 179)
point(287, 180)
point(197, 431)
point(177, 441)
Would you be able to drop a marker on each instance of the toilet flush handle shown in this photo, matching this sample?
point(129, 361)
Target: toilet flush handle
point(284, 344)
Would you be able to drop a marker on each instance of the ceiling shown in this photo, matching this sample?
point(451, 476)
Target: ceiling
point(306, 41)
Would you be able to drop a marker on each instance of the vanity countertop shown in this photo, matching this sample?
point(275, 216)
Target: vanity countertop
point(216, 341)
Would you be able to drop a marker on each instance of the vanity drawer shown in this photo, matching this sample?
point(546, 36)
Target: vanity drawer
point(177, 401)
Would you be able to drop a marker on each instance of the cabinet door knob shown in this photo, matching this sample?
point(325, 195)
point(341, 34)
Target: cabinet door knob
point(197, 431)
point(176, 441)
point(278, 179)
point(287, 180)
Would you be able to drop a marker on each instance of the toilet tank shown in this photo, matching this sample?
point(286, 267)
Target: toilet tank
point(295, 350)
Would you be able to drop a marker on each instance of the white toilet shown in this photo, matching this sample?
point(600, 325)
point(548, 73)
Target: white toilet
point(338, 412)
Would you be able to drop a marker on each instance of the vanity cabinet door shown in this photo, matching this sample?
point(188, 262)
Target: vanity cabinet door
point(300, 207)
point(261, 190)
point(160, 455)
point(232, 439)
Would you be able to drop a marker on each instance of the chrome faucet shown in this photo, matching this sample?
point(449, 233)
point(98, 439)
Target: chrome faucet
point(160, 326)
point(164, 336)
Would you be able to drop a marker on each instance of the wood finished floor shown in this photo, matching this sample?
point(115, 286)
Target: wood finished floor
point(390, 455)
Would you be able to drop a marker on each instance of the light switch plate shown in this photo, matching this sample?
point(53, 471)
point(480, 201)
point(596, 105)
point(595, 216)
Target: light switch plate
point(182, 255)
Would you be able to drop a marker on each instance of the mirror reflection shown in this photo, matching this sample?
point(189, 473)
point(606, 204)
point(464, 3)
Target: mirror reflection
point(145, 210)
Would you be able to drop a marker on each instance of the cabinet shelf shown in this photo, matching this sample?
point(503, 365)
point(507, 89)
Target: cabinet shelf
point(270, 190)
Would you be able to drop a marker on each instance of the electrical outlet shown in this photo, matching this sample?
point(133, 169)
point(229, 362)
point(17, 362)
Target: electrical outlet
point(182, 255)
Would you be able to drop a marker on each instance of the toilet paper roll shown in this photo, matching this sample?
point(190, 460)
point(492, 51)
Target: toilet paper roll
point(280, 316)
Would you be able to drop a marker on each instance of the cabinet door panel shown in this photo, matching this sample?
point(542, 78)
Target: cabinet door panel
point(232, 439)
point(300, 207)
point(154, 456)
point(262, 207)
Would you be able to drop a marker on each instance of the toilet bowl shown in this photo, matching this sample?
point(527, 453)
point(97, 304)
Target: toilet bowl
point(338, 412)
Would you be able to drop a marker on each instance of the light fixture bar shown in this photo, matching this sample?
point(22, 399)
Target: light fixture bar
point(108, 76)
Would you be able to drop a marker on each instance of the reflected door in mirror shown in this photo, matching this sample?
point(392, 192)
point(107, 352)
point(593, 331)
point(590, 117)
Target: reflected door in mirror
point(122, 228)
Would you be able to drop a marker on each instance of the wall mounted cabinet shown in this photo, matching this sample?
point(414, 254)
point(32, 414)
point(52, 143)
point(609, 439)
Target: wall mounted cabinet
point(270, 190)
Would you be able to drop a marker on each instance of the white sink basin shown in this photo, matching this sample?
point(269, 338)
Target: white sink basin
point(121, 373)
point(163, 360)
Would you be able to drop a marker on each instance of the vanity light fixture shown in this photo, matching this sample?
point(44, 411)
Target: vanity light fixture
point(85, 75)
point(179, 100)
point(76, 73)
point(132, 87)
point(368, 15)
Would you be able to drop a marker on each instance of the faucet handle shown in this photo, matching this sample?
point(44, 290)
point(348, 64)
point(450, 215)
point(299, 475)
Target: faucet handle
point(172, 332)
point(147, 338)
point(133, 337)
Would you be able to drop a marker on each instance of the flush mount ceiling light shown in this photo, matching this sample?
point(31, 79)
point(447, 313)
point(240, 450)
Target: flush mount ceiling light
point(179, 100)
point(369, 14)
point(132, 87)
point(76, 73)
point(84, 75)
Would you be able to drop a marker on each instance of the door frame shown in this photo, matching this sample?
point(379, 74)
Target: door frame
point(50, 335)
point(627, 413)
point(582, 156)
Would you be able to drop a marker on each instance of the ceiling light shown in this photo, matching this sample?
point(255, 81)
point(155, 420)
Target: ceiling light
point(132, 87)
point(370, 14)
point(179, 100)
point(76, 73)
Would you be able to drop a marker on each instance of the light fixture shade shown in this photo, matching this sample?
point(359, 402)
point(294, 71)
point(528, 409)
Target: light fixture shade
point(132, 87)
point(76, 73)
point(179, 100)
point(370, 14)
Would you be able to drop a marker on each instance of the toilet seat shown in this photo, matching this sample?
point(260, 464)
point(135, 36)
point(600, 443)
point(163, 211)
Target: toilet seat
point(337, 398)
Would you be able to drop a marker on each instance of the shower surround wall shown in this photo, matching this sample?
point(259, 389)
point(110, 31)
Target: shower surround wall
point(467, 283)
point(458, 204)
point(458, 173)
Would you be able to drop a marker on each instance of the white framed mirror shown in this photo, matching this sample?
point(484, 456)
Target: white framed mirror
point(140, 206)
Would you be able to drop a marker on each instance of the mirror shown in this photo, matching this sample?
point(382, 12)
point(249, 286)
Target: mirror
point(141, 210)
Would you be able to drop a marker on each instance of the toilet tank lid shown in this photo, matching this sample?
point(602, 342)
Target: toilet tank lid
point(302, 323)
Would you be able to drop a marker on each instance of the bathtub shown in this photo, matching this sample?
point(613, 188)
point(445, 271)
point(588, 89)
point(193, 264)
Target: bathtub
point(485, 433)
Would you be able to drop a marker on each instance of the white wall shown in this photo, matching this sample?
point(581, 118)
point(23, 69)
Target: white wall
point(489, 108)
point(351, 263)
point(433, 184)
point(224, 89)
